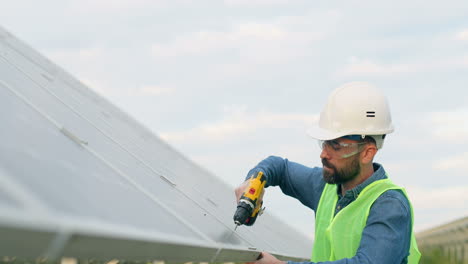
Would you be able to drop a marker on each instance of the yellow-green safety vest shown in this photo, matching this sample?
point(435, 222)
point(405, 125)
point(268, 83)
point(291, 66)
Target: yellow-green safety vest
point(338, 237)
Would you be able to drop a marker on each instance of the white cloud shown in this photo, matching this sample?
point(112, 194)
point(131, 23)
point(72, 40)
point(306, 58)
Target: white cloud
point(255, 3)
point(86, 7)
point(449, 126)
point(193, 43)
point(318, 20)
point(258, 30)
point(396, 168)
point(457, 162)
point(252, 41)
point(366, 67)
point(154, 90)
point(237, 123)
point(462, 35)
point(433, 198)
point(211, 41)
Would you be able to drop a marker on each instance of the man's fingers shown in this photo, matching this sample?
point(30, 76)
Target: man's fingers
point(260, 256)
point(240, 190)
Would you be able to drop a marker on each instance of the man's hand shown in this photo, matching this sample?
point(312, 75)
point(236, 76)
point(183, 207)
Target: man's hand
point(267, 258)
point(241, 189)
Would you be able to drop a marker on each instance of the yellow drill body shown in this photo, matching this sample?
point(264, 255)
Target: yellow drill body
point(249, 204)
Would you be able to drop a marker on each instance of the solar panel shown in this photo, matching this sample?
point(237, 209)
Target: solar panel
point(80, 178)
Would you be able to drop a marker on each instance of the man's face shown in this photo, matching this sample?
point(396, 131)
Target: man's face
point(340, 160)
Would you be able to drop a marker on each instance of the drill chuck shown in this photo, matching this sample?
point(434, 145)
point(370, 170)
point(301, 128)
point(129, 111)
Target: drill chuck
point(243, 213)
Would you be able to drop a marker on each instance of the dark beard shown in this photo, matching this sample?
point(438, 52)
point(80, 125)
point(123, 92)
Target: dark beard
point(346, 174)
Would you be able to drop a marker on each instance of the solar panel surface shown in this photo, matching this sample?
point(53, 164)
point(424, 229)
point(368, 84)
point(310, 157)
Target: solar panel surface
point(80, 178)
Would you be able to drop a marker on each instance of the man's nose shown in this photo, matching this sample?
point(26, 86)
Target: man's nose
point(324, 154)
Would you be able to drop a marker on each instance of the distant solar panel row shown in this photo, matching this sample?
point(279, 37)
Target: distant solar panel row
point(80, 178)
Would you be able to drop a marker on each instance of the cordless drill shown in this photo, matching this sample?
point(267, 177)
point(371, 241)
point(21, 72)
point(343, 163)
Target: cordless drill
point(249, 205)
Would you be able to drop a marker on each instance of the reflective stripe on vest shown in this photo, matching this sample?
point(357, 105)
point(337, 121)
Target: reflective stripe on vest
point(338, 237)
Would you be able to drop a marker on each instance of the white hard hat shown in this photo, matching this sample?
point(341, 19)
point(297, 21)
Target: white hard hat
point(356, 108)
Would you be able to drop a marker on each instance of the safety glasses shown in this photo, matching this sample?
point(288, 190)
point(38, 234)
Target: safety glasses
point(341, 149)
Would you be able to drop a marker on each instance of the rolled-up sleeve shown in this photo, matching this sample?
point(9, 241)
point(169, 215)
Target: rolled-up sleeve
point(296, 180)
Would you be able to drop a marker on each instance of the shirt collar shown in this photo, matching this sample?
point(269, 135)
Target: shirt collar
point(379, 174)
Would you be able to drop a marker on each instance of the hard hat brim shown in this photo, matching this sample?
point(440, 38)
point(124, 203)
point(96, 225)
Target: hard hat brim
point(324, 134)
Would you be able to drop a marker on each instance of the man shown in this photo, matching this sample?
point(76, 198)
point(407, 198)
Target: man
point(361, 216)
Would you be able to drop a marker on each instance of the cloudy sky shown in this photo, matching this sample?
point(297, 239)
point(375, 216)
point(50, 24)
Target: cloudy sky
point(231, 82)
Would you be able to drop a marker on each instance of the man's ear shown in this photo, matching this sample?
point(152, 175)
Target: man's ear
point(367, 155)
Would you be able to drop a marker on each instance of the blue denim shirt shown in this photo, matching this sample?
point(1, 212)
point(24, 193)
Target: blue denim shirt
point(387, 234)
